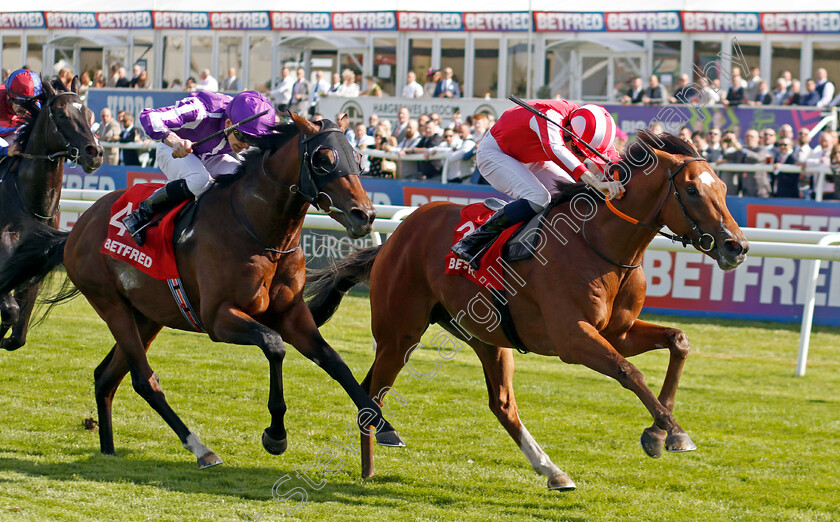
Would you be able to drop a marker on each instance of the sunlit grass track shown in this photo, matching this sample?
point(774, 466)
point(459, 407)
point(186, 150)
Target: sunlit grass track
point(768, 444)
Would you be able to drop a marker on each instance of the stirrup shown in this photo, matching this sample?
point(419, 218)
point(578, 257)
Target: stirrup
point(135, 225)
point(464, 254)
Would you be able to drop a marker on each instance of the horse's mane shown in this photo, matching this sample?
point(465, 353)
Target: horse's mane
point(637, 155)
point(34, 107)
point(253, 156)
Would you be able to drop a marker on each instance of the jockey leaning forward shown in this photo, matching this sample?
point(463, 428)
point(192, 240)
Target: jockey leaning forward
point(524, 156)
point(193, 169)
point(21, 86)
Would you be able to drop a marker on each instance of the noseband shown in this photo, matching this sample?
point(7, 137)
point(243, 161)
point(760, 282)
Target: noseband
point(69, 151)
point(705, 242)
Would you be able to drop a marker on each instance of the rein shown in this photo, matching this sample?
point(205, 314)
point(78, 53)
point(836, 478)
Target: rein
point(307, 168)
point(244, 224)
point(704, 241)
point(69, 151)
point(37, 215)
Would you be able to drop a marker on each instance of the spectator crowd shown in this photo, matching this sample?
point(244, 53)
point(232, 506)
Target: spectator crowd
point(453, 142)
point(818, 91)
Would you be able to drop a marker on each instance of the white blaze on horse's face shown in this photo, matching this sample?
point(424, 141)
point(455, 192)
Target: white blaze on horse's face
point(78, 106)
point(706, 178)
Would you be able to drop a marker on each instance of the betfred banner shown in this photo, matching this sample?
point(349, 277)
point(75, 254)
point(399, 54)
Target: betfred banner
point(32, 20)
point(823, 22)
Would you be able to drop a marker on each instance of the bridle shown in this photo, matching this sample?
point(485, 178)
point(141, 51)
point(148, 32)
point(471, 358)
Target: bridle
point(703, 241)
point(69, 151)
point(311, 177)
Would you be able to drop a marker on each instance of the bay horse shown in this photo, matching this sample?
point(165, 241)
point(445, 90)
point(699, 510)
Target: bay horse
point(30, 185)
point(578, 298)
point(242, 268)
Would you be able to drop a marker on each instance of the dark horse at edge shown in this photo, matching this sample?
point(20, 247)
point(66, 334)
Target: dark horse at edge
point(30, 186)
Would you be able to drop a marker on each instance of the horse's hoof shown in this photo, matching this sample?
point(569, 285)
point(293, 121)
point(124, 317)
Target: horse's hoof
point(9, 346)
point(679, 442)
point(208, 460)
point(272, 445)
point(561, 482)
point(389, 438)
point(653, 442)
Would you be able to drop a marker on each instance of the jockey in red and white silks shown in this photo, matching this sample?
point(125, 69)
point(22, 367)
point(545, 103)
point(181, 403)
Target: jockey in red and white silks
point(524, 156)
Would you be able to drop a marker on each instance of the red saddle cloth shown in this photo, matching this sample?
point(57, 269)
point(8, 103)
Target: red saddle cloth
point(157, 255)
point(489, 273)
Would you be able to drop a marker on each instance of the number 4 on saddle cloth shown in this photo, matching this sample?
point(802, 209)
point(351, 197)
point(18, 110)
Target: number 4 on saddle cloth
point(515, 243)
point(157, 255)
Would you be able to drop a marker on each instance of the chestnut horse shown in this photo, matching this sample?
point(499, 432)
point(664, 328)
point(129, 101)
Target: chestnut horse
point(31, 185)
point(241, 265)
point(578, 298)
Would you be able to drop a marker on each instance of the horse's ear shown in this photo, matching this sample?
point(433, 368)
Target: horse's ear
point(56, 84)
point(305, 126)
point(47, 88)
point(76, 83)
point(343, 122)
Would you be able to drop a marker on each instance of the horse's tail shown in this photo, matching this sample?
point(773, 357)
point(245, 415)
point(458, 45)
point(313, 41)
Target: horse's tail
point(326, 287)
point(38, 253)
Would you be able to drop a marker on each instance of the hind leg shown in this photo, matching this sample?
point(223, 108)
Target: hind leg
point(25, 302)
point(498, 374)
point(643, 337)
point(397, 325)
point(133, 336)
point(107, 378)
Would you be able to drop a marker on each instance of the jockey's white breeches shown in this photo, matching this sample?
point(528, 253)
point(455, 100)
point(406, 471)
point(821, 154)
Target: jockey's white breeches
point(534, 182)
point(199, 175)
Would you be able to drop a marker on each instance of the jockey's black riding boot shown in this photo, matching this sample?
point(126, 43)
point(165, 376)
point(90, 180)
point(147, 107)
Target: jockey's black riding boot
point(161, 200)
point(471, 247)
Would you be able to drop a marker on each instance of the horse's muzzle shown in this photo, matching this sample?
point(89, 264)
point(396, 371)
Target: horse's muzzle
point(359, 221)
point(91, 158)
point(731, 252)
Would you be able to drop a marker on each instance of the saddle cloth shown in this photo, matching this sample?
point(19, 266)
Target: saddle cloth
point(157, 255)
point(490, 273)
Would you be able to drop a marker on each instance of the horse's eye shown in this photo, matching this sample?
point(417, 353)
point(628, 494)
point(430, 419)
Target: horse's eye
point(692, 191)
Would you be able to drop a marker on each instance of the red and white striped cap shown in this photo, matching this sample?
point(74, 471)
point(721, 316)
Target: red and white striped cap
point(594, 125)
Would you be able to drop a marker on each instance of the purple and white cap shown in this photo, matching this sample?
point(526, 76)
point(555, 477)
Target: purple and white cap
point(247, 104)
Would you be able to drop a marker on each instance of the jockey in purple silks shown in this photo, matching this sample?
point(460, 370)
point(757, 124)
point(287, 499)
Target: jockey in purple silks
point(192, 169)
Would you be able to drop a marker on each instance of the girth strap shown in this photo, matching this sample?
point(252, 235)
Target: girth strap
point(180, 295)
point(508, 327)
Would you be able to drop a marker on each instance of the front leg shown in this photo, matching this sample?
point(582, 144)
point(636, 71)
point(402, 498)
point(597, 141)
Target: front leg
point(583, 344)
point(643, 337)
point(298, 327)
point(232, 325)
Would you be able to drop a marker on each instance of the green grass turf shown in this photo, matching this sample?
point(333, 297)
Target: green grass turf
point(767, 442)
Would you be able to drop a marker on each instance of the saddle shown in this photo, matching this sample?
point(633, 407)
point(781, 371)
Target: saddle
point(514, 244)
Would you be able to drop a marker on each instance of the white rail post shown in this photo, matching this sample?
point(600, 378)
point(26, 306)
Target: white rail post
point(810, 302)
